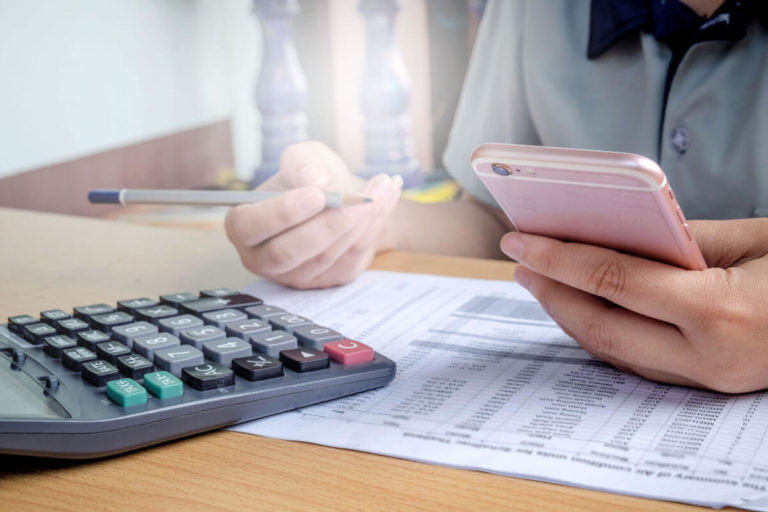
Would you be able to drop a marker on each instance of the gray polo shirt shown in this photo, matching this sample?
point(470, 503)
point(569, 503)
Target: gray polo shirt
point(530, 82)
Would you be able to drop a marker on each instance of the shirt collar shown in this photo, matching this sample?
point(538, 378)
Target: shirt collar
point(610, 20)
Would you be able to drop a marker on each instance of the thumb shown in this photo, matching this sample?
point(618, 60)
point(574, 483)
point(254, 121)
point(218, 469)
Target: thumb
point(725, 243)
point(301, 165)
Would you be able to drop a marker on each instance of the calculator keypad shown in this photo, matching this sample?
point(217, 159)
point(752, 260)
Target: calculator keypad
point(201, 341)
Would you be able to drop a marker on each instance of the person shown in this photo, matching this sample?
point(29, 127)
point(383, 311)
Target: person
point(680, 81)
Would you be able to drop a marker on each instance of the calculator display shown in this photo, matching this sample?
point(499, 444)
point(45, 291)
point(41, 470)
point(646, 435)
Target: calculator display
point(17, 400)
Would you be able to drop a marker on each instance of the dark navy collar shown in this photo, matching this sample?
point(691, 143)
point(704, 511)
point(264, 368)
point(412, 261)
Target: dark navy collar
point(668, 20)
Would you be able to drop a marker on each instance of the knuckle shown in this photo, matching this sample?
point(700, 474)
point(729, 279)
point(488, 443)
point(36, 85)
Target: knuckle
point(250, 263)
point(607, 278)
point(325, 258)
point(599, 338)
point(277, 258)
point(725, 379)
point(236, 226)
point(357, 249)
point(336, 222)
point(285, 213)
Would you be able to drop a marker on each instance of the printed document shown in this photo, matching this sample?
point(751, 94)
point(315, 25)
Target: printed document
point(487, 381)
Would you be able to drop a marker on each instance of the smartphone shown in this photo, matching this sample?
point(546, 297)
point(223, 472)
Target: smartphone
point(618, 200)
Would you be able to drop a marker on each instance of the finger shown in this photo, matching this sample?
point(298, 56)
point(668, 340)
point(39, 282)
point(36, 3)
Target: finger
point(647, 287)
point(650, 348)
point(248, 225)
point(731, 242)
point(361, 241)
point(385, 192)
point(291, 248)
point(305, 164)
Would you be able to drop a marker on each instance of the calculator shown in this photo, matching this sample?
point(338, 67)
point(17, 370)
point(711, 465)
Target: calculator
point(104, 379)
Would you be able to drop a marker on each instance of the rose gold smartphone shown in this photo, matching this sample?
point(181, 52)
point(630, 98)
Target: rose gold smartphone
point(617, 200)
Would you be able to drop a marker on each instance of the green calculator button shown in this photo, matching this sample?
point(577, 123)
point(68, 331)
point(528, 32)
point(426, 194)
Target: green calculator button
point(163, 385)
point(126, 392)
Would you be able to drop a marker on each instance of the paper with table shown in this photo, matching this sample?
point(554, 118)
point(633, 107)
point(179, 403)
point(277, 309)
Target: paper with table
point(487, 381)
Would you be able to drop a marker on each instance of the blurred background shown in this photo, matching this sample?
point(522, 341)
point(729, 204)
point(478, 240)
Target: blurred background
point(206, 93)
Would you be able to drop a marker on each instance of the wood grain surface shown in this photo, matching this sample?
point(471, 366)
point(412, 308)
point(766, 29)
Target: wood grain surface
point(54, 261)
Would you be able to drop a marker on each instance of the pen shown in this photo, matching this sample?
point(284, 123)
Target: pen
point(209, 197)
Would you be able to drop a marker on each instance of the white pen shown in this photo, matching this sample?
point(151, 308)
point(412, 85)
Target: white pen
point(209, 197)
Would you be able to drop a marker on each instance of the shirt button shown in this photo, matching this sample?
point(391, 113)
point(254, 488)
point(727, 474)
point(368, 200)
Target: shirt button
point(681, 139)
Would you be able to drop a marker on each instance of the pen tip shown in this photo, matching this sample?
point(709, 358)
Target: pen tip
point(367, 200)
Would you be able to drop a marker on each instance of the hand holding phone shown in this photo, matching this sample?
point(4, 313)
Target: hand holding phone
point(616, 200)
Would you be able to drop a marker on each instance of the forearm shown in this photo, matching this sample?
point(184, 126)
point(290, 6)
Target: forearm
point(464, 227)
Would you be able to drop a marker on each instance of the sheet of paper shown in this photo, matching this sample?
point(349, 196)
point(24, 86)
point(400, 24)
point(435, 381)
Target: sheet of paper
point(487, 381)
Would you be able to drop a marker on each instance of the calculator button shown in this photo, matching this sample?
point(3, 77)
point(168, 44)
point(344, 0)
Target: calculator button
point(224, 351)
point(131, 305)
point(246, 328)
point(53, 345)
point(111, 350)
point(349, 352)
point(134, 366)
point(173, 359)
point(126, 392)
point(107, 321)
point(148, 343)
point(223, 316)
point(163, 385)
point(98, 372)
point(72, 358)
point(257, 367)
point(174, 299)
point(86, 312)
point(15, 323)
point(218, 292)
point(127, 332)
point(316, 336)
point(264, 311)
point(271, 343)
point(90, 338)
point(35, 333)
point(239, 301)
point(199, 335)
point(51, 316)
point(155, 313)
point(304, 359)
point(176, 324)
point(71, 326)
point(208, 376)
point(288, 322)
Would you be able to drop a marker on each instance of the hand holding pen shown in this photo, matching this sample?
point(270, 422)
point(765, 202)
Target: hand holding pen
point(290, 229)
point(294, 240)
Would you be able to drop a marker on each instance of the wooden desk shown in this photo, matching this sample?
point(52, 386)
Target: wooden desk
point(49, 261)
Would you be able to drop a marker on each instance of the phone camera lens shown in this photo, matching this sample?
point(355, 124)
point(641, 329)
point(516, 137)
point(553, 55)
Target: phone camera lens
point(500, 169)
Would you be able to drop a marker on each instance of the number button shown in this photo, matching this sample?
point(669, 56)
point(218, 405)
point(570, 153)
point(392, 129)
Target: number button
point(147, 345)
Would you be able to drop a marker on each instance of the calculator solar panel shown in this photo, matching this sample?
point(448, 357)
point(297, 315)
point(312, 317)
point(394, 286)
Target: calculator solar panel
point(103, 379)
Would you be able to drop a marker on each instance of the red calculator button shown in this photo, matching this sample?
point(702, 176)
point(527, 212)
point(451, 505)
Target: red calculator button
point(349, 352)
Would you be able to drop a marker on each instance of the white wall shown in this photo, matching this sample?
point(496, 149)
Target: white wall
point(81, 76)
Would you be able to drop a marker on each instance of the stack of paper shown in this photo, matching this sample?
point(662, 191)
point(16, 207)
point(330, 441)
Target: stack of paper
point(487, 381)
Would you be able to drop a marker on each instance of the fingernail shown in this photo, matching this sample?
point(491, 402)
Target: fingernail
point(310, 199)
point(522, 277)
point(512, 244)
point(398, 181)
